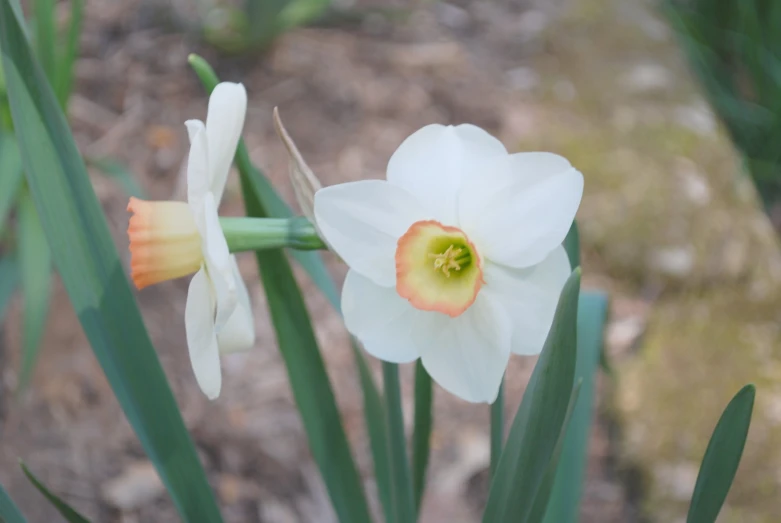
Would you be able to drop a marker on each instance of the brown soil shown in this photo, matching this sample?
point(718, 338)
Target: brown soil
point(348, 94)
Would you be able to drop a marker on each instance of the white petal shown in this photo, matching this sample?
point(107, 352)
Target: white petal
point(198, 179)
point(363, 220)
point(218, 261)
point(201, 339)
point(238, 334)
point(383, 321)
point(431, 163)
point(224, 122)
point(529, 296)
point(526, 210)
point(467, 355)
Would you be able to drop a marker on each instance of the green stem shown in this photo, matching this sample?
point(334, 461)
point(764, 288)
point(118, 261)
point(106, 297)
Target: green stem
point(256, 234)
point(497, 428)
point(403, 501)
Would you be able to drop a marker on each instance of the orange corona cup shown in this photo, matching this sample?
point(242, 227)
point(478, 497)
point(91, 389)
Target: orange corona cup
point(164, 242)
point(438, 268)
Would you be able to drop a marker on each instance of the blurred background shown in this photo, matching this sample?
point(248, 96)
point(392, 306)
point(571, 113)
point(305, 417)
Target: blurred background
point(672, 110)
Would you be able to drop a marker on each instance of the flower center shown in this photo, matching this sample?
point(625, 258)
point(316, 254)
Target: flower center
point(451, 259)
point(457, 275)
point(164, 242)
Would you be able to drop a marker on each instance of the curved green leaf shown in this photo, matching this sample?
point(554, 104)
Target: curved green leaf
point(564, 504)
point(65, 510)
point(722, 458)
point(35, 263)
point(539, 419)
point(93, 276)
point(11, 175)
point(542, 499)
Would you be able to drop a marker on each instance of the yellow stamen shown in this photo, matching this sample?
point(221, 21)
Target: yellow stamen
point(447, 260)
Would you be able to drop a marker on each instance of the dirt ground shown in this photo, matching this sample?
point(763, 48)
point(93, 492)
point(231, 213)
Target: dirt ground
point(348, 94)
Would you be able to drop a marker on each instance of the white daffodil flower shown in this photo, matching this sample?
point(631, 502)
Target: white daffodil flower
point(457, 258)
point(173, 239)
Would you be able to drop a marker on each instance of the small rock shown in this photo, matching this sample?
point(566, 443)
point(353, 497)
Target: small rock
point(532, 23)
point(624, 333)
point(274, 511)
point(473, 454)
point(694, 184)
point(161, 137)
point(678, 479)
point(232, 489)
point(565, 91)
point(696, 117)
point(452, 16)
point(523, 78)
point(138, 485)
point(674, 261)
point(648, 77)
point(434, 55)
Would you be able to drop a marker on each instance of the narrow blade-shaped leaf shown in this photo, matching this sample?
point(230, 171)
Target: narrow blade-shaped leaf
point(45, 36)
point(403, 498)
point(93, 276)
point(374, 416)
point(308, 378)
point(497, 429)
point(70, 50)
point(541, 501)
point(722, 458)
point(539, 419)
point(9, 512)
point(421, 433)
point(564, 503)
point(11, 175)
point(35, 262)
point(296, 341)
point(65, 510)
point(572, 245)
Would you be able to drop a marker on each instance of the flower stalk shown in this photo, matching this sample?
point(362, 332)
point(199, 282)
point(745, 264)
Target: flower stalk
point(257, 234)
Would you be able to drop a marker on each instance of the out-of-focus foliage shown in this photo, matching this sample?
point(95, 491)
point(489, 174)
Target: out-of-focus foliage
point(258, 22)
point(734, 47)
point(82, 248)
point(20, 235)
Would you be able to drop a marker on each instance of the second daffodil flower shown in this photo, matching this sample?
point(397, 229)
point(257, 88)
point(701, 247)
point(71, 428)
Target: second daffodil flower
point(457, 258)
point(173, 239)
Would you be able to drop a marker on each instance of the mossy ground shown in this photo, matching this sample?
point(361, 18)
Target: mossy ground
point(668, 211)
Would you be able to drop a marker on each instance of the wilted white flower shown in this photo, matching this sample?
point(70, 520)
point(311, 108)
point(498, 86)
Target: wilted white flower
point(457, 258)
